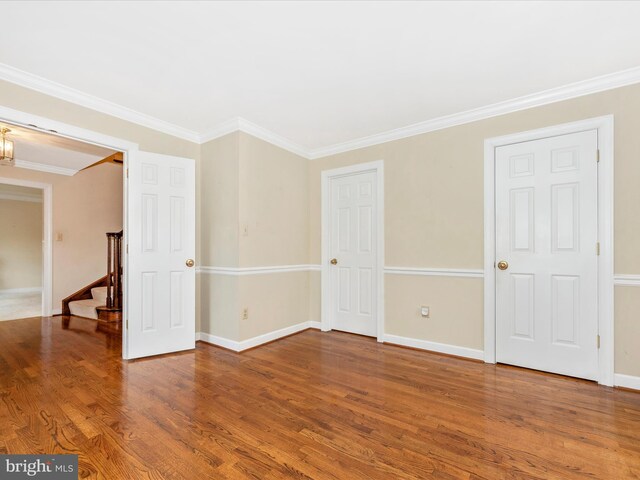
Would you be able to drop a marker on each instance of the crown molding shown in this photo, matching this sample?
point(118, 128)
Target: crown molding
point(41, 167)
point(566, 92)
point(273, 138)
point(545, 97)
point(21, 197)
point(220, 130)
point(240, 124)
point(54, 89)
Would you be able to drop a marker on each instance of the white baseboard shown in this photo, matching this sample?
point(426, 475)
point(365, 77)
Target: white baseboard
point(627, 381)
point(237, 346)
point(434, 346)
point(255, 341)
point(22, 290)
point(219, 341)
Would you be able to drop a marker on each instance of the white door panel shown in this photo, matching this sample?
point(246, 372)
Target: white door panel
point(161, 228)
point(546, 229)
point(353, 240)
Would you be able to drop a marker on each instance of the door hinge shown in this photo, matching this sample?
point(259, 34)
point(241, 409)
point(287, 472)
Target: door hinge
point(598, 341)
point(598, 248)
point(127, 249)
point(598, 155)
point(127, 324)
point(128, 172)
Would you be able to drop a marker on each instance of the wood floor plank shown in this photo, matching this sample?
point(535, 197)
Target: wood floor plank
point(310, 406)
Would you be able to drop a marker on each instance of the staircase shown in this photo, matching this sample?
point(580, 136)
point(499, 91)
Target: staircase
point(102, 299)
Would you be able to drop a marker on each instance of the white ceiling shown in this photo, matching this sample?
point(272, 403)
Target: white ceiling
point(38, 150)
point(316, 73)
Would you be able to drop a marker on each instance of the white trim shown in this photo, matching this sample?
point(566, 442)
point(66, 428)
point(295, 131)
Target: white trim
point(21, 197)
point(273, 138)
point(220, 130)
point(315, 325)
point(545, 97)
point(21, 290)
point(604, 126)
point(434, 346)
point(57, 90)
point(431, 272)
point(47, 238)
point(240, 271)
point(435, 272)
point(627, 280)
point(240, 124)
point(41, 167)
point(565, 92)
point(129, 149)
point(627, 381)
point(325, 286)
point(239, 346)
point(54, 127)
point(219, 341)
point(56, 311)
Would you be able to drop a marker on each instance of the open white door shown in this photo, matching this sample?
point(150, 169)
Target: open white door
point(161, 238)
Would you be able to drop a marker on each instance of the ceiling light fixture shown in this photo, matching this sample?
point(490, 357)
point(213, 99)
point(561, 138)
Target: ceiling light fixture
point(6, 149)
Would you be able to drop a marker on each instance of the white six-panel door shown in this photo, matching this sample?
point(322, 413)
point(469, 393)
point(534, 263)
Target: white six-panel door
point(546, 231)
point(353, 244)
point(161, 232)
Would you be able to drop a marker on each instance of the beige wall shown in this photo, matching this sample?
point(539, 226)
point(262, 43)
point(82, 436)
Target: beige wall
point(254, 212)
point(220, 200)
point(274, 301)
point(85, 207)
point(20, 244)
point(434, 218)
point(274, 205)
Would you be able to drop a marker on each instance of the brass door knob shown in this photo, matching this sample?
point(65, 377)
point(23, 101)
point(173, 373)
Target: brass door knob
point(502, 265)
point(190, 262)
point(334, 261)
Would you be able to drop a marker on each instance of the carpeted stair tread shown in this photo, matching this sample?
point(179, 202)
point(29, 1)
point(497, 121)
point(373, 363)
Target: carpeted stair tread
point(85, 308)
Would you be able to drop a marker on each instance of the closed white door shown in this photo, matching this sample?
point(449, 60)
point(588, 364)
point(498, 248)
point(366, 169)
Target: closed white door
point(546, 235)
point(353, 244)
point(161, 237)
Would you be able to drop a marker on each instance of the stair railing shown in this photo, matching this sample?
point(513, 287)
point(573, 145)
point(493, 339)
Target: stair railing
point(114, 270)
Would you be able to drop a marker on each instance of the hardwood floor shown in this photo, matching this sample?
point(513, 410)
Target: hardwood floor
point(314, 405)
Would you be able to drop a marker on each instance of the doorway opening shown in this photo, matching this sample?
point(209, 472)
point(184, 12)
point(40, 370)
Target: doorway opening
point(68, 195)
point(21, 253)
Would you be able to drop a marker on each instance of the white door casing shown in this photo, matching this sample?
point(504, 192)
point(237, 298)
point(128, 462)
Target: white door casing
point(547, 231)
point(352, 234)
point(161, 308)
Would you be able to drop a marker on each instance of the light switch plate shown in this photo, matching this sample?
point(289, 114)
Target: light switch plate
point(424, 311)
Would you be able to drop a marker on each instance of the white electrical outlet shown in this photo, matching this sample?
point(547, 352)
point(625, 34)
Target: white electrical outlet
point(424, 311)
point(245, 314)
